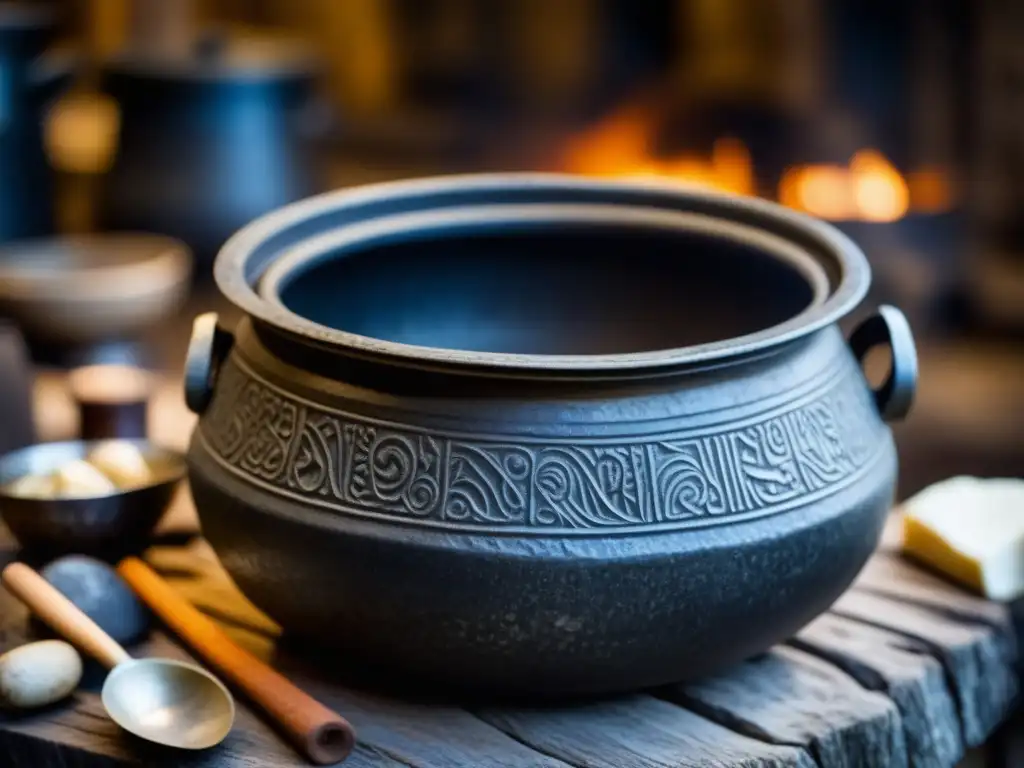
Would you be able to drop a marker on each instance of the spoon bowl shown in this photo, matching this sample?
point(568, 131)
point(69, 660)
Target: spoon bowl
point(169, 702)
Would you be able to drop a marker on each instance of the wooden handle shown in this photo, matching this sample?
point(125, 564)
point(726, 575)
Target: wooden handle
point(321, 735)
point(62, 615)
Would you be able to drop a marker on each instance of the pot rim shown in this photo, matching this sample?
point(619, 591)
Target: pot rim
point(252, 253)
point(481, 219)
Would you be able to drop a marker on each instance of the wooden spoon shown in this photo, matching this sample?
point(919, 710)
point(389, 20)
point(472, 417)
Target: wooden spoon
point(321, 735)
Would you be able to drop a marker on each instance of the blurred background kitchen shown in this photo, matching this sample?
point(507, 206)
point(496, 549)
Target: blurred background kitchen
point(175, 122)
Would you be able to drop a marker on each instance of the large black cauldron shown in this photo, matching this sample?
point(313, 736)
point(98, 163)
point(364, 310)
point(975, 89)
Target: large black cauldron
point(543, 435)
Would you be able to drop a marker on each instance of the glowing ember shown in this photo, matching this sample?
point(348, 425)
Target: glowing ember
point(879, 192)
point(617, 146)
point(931, 190)
point(823, 190)
point(870, 189)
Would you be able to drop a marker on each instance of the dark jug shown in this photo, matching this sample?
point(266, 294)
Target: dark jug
point(28, 83)
point(210, 139)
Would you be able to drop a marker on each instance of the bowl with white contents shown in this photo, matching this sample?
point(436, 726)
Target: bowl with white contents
point(101, 498)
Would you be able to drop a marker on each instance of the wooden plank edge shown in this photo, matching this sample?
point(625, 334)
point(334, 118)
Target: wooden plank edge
point(21, 748)
point(899, 577)
point(656, 732)
point(963, 664)
point(903, 670)
point(844, 720)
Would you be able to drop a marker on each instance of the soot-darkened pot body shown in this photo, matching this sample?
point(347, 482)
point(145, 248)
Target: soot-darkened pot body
point(635, 486)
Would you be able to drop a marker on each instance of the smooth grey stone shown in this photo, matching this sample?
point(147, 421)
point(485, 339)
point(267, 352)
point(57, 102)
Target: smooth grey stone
point(101, 594)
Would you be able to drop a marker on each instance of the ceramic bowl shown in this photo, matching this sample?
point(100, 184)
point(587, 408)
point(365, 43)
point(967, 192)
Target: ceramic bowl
point(108, 526)
point(83, 290)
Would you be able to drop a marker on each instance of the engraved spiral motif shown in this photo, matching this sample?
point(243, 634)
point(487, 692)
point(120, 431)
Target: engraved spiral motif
point(392, 460)
point(421, 495)
point(686, 486)
point(357, 466)
point(313, 463)
point(488, 484)
point(585, 489)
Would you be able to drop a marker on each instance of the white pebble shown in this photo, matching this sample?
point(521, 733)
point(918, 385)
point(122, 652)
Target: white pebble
point(38, 674)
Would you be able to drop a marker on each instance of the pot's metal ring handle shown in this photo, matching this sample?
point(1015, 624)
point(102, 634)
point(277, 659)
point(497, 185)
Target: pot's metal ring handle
point(207, 349)
point(889, 327)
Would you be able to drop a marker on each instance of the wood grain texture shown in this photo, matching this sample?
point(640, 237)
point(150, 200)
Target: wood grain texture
point(640, 731)
point(81, 734)
point(391, 735)
point(430, 736)
point(199, 578)
point(910, 668)
point(902, 669)
point(789, 697)
point(976, 659)
point(891, 575)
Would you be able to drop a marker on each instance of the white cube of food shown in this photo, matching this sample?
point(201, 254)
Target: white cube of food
point(122, 462)
point(972, 529)
point(34, 487)
point(80, 478)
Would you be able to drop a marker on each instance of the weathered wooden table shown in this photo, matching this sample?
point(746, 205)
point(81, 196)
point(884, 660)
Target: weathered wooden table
point(905, 670)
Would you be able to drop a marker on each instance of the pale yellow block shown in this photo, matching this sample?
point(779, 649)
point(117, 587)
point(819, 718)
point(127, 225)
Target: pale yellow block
point(971, 529)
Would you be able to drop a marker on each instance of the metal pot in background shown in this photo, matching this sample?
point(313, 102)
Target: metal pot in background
point(28, 83)
point(211, 138)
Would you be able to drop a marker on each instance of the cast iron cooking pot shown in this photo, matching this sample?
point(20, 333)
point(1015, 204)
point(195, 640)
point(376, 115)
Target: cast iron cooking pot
point(543, 435)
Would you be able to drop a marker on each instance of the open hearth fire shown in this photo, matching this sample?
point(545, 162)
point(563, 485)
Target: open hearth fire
point(867, 188)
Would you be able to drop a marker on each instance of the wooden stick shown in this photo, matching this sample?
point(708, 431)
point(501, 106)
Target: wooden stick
point(321, 735)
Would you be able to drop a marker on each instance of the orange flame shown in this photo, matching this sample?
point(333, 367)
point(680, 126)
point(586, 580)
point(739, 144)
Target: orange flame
point(879, 192)
point(931, 190)
point(620, 146)
point(869, 188)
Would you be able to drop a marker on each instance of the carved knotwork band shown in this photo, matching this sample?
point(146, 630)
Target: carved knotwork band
point(358, 466)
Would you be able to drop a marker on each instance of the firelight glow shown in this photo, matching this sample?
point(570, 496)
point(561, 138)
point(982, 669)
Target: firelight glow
point(868, 188)
point(620, 146)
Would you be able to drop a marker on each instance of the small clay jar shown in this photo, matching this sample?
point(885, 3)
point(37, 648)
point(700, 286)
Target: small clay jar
point(112, 401)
